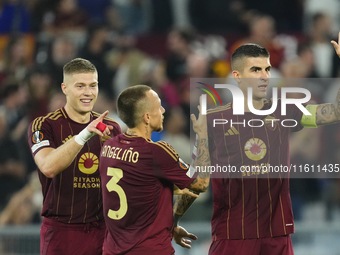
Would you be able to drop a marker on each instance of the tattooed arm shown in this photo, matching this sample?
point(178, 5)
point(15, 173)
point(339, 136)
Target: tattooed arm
point(183, 202)
point(330, 113)
point(200, 184)
point(202, 161)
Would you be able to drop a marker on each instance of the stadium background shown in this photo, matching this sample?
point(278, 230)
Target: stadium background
point(162, 43)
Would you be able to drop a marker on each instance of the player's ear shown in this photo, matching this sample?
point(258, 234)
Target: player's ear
point(236, 75)
point(146, 118)
point(64, 88)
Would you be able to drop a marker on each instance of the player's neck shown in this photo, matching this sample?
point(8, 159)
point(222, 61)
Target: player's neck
point(142, 131)
point(76, 116)
point(257, 104)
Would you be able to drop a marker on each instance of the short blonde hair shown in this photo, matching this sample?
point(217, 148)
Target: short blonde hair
point(79, 65)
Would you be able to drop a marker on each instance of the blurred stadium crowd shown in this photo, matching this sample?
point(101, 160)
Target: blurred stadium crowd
point(162, 44)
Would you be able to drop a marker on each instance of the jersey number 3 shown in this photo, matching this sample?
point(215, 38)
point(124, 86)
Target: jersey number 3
point(112, 185)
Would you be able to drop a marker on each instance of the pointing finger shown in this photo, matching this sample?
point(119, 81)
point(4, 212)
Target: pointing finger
point(103, 115)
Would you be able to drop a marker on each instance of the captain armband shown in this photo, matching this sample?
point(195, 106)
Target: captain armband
point(310, 120)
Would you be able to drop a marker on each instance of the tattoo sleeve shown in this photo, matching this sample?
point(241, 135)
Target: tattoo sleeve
point(182, 204)
point(201, 163)
point(200, 184)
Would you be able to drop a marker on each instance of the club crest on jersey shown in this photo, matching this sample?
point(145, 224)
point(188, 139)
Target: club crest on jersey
point(37, 136)
point(182, 164)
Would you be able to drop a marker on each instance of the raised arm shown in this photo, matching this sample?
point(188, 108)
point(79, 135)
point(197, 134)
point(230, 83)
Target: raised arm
point(330, 113)
point(200, 184)
point(202, 160)
point(52, 161)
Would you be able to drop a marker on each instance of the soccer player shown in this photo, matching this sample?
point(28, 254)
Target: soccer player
point(66, 150)
point(253, 214)
point(138, 177)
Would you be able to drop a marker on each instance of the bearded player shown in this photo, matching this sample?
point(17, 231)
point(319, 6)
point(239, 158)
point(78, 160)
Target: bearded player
point(253, 213)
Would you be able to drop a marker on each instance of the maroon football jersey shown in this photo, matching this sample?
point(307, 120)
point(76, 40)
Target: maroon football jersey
point(74, 195)
point(251, 204)
point(138, 177)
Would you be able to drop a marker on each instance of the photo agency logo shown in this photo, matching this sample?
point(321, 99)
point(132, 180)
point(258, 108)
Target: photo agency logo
point(238, 101)
point(205, 90)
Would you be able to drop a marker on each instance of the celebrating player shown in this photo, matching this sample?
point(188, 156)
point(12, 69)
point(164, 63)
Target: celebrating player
point(254, 216)
point(139, 176)
point(66, 150)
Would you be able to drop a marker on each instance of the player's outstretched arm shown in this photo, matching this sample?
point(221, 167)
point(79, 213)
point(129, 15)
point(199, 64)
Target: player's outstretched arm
point(200, 184)
point(183, 202)
point(202, 160)
point(52, 161)
point(330, 113)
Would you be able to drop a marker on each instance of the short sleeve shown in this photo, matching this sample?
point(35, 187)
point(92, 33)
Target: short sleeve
point(171, 166)
point(40, 135)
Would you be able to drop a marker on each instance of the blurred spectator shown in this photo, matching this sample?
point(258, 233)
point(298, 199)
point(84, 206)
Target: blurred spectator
point(40, 87)
point(174, 127)
point(181, 13)
point(330, 7)
point(101, 11)
point(95, 50)
point(12, 167)
point(133, 15)
point(293, 69)
point(12, 171)
point(280, 10)
point(295, 74)
point(305, 145)
point(303, 66)
point(62, 51)
point(182, 63)
point(305, 149)
point(13, 100)
point(306, 58)
point(56, 101)
point(127, 63)
point(37, 9)
point(67, 18)
point(161, 15)
point(16, 59)
point(262, 31)
point(331, 191)
point(320, 37)
point(219, 16)
point(25, 205)
point(14, 17)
